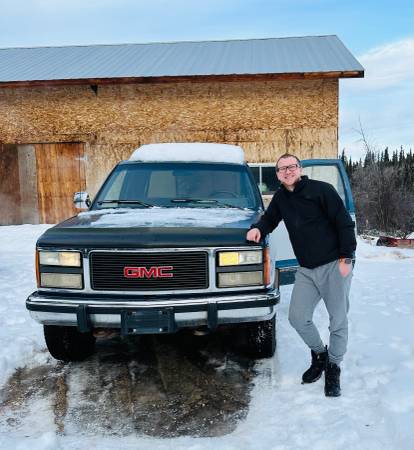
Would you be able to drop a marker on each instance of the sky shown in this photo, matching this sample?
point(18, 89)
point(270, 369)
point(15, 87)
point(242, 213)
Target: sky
point(380, 34)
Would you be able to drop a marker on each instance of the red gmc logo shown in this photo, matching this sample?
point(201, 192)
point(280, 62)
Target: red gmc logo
point(152, 272)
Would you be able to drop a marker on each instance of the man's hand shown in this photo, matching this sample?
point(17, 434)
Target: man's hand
point(344, 268)
point(254, 235)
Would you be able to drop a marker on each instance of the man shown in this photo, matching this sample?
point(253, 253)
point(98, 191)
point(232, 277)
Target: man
point(322, 235)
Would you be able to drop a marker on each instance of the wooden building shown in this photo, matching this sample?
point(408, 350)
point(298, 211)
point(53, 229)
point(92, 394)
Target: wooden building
point(69, 114)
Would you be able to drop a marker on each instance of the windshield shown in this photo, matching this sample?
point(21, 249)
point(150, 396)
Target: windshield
point(207, 185)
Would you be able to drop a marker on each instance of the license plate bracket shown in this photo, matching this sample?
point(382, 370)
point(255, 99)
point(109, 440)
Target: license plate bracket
point(153, 321)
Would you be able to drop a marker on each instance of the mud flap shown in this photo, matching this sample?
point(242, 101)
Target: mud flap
point(82, 319)
point(212, 317)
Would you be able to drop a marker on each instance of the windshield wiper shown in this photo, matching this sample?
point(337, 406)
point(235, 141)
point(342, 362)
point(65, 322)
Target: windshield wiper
point(228, 205)
point(126, 202)
point(204, 201)
point(192, 200)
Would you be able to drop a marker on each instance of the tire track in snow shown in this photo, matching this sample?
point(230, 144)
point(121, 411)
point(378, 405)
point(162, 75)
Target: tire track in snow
point(163, 386)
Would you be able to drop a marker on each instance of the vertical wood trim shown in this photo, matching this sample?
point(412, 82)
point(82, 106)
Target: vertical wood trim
point(60, 174)
point(9, 185)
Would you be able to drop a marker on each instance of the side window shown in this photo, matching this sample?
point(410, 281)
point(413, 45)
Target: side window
point(329, 174)
point(269, 181)
point(265, 177)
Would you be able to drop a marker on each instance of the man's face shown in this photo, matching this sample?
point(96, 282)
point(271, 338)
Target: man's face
point(289, 172)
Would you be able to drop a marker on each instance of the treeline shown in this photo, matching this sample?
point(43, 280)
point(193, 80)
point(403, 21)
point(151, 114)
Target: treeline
point(383, 190)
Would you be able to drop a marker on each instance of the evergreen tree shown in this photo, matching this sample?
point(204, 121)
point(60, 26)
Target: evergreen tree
point(401, 157)
point(369, 158)
point(394, 161)
point(383, 190)
point(350, 168)
point(386, 157)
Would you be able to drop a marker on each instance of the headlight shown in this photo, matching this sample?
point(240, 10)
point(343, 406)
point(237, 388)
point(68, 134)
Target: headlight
point(61, 280)
point(233, 279)
point(240, 258)
point(68, 259)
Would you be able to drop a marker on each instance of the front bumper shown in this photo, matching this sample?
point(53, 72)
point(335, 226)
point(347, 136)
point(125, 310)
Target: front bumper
point(87, 312)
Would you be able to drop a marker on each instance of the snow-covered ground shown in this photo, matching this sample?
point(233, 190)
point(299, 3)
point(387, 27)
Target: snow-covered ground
point(376, 410)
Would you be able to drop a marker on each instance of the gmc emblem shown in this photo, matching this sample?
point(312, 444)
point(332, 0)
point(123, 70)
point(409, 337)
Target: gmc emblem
point(152, 272)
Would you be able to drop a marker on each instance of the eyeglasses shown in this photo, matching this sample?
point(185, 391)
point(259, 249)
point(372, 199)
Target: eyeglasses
point(286, 168)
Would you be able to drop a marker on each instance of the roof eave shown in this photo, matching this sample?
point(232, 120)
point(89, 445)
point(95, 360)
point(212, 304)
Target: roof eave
point(185, 78)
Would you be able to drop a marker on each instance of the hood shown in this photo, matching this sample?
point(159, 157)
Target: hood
point(152, 228)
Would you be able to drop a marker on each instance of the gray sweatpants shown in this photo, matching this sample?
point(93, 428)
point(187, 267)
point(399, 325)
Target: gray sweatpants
point(311, 285)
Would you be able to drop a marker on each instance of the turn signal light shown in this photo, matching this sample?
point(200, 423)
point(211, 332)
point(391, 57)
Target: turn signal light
point(37, 268)
point(266, 255)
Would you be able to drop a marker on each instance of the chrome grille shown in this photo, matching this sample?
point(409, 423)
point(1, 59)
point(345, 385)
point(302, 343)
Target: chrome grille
point(190, 271)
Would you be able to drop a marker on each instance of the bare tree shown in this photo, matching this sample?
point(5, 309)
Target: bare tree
point(382, 199)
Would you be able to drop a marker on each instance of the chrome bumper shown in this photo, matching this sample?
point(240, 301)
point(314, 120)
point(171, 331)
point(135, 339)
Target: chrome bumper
point(89, 312)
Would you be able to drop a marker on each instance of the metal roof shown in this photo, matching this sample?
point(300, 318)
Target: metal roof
point(183, 59)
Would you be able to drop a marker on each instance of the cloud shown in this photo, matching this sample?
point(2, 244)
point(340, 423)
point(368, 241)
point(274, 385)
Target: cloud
point(389, 65)
point(382, 101)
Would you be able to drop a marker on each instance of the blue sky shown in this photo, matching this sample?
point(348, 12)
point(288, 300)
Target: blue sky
point(379, 33)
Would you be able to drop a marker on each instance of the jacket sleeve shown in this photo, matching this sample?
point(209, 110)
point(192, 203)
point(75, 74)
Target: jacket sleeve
point(338, 215)
point(270, 219)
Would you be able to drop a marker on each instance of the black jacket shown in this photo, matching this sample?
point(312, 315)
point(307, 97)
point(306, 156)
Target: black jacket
point(319, 226)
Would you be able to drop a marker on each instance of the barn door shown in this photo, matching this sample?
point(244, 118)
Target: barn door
point(60, 173)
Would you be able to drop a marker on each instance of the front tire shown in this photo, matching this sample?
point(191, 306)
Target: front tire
point(260, 338)
point(67, 343)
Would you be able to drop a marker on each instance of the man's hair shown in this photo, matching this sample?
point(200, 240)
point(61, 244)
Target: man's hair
point(287, 155)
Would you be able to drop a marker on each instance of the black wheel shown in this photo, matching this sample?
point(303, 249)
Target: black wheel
point(260, 338)
point(67, 343)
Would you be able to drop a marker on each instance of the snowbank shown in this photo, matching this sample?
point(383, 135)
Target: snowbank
point(368, 250)
point(21, 339)
point(375, 412)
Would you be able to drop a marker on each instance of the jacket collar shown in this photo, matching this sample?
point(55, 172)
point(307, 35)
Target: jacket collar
point(299, 186)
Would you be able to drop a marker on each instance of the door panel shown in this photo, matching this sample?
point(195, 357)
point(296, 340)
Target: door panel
point(329, 174)
point(331, 171)
point(60, 173)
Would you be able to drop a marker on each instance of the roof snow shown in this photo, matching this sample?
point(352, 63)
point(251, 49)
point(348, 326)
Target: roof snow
point(189, 152)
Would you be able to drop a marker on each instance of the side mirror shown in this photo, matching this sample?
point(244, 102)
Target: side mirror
point(81, 200)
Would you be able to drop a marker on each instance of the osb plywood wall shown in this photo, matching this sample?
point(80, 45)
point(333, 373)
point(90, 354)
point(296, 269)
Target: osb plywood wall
point(267, 118)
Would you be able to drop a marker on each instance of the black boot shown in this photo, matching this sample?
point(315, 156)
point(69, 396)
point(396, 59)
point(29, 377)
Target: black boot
point(317, 367)
point(332, 375)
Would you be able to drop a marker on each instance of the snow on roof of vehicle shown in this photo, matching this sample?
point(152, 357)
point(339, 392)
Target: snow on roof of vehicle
point(189, 152)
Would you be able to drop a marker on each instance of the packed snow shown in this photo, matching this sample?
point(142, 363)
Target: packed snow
point(170, 217)
point(189, 152)
point(376, 410)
